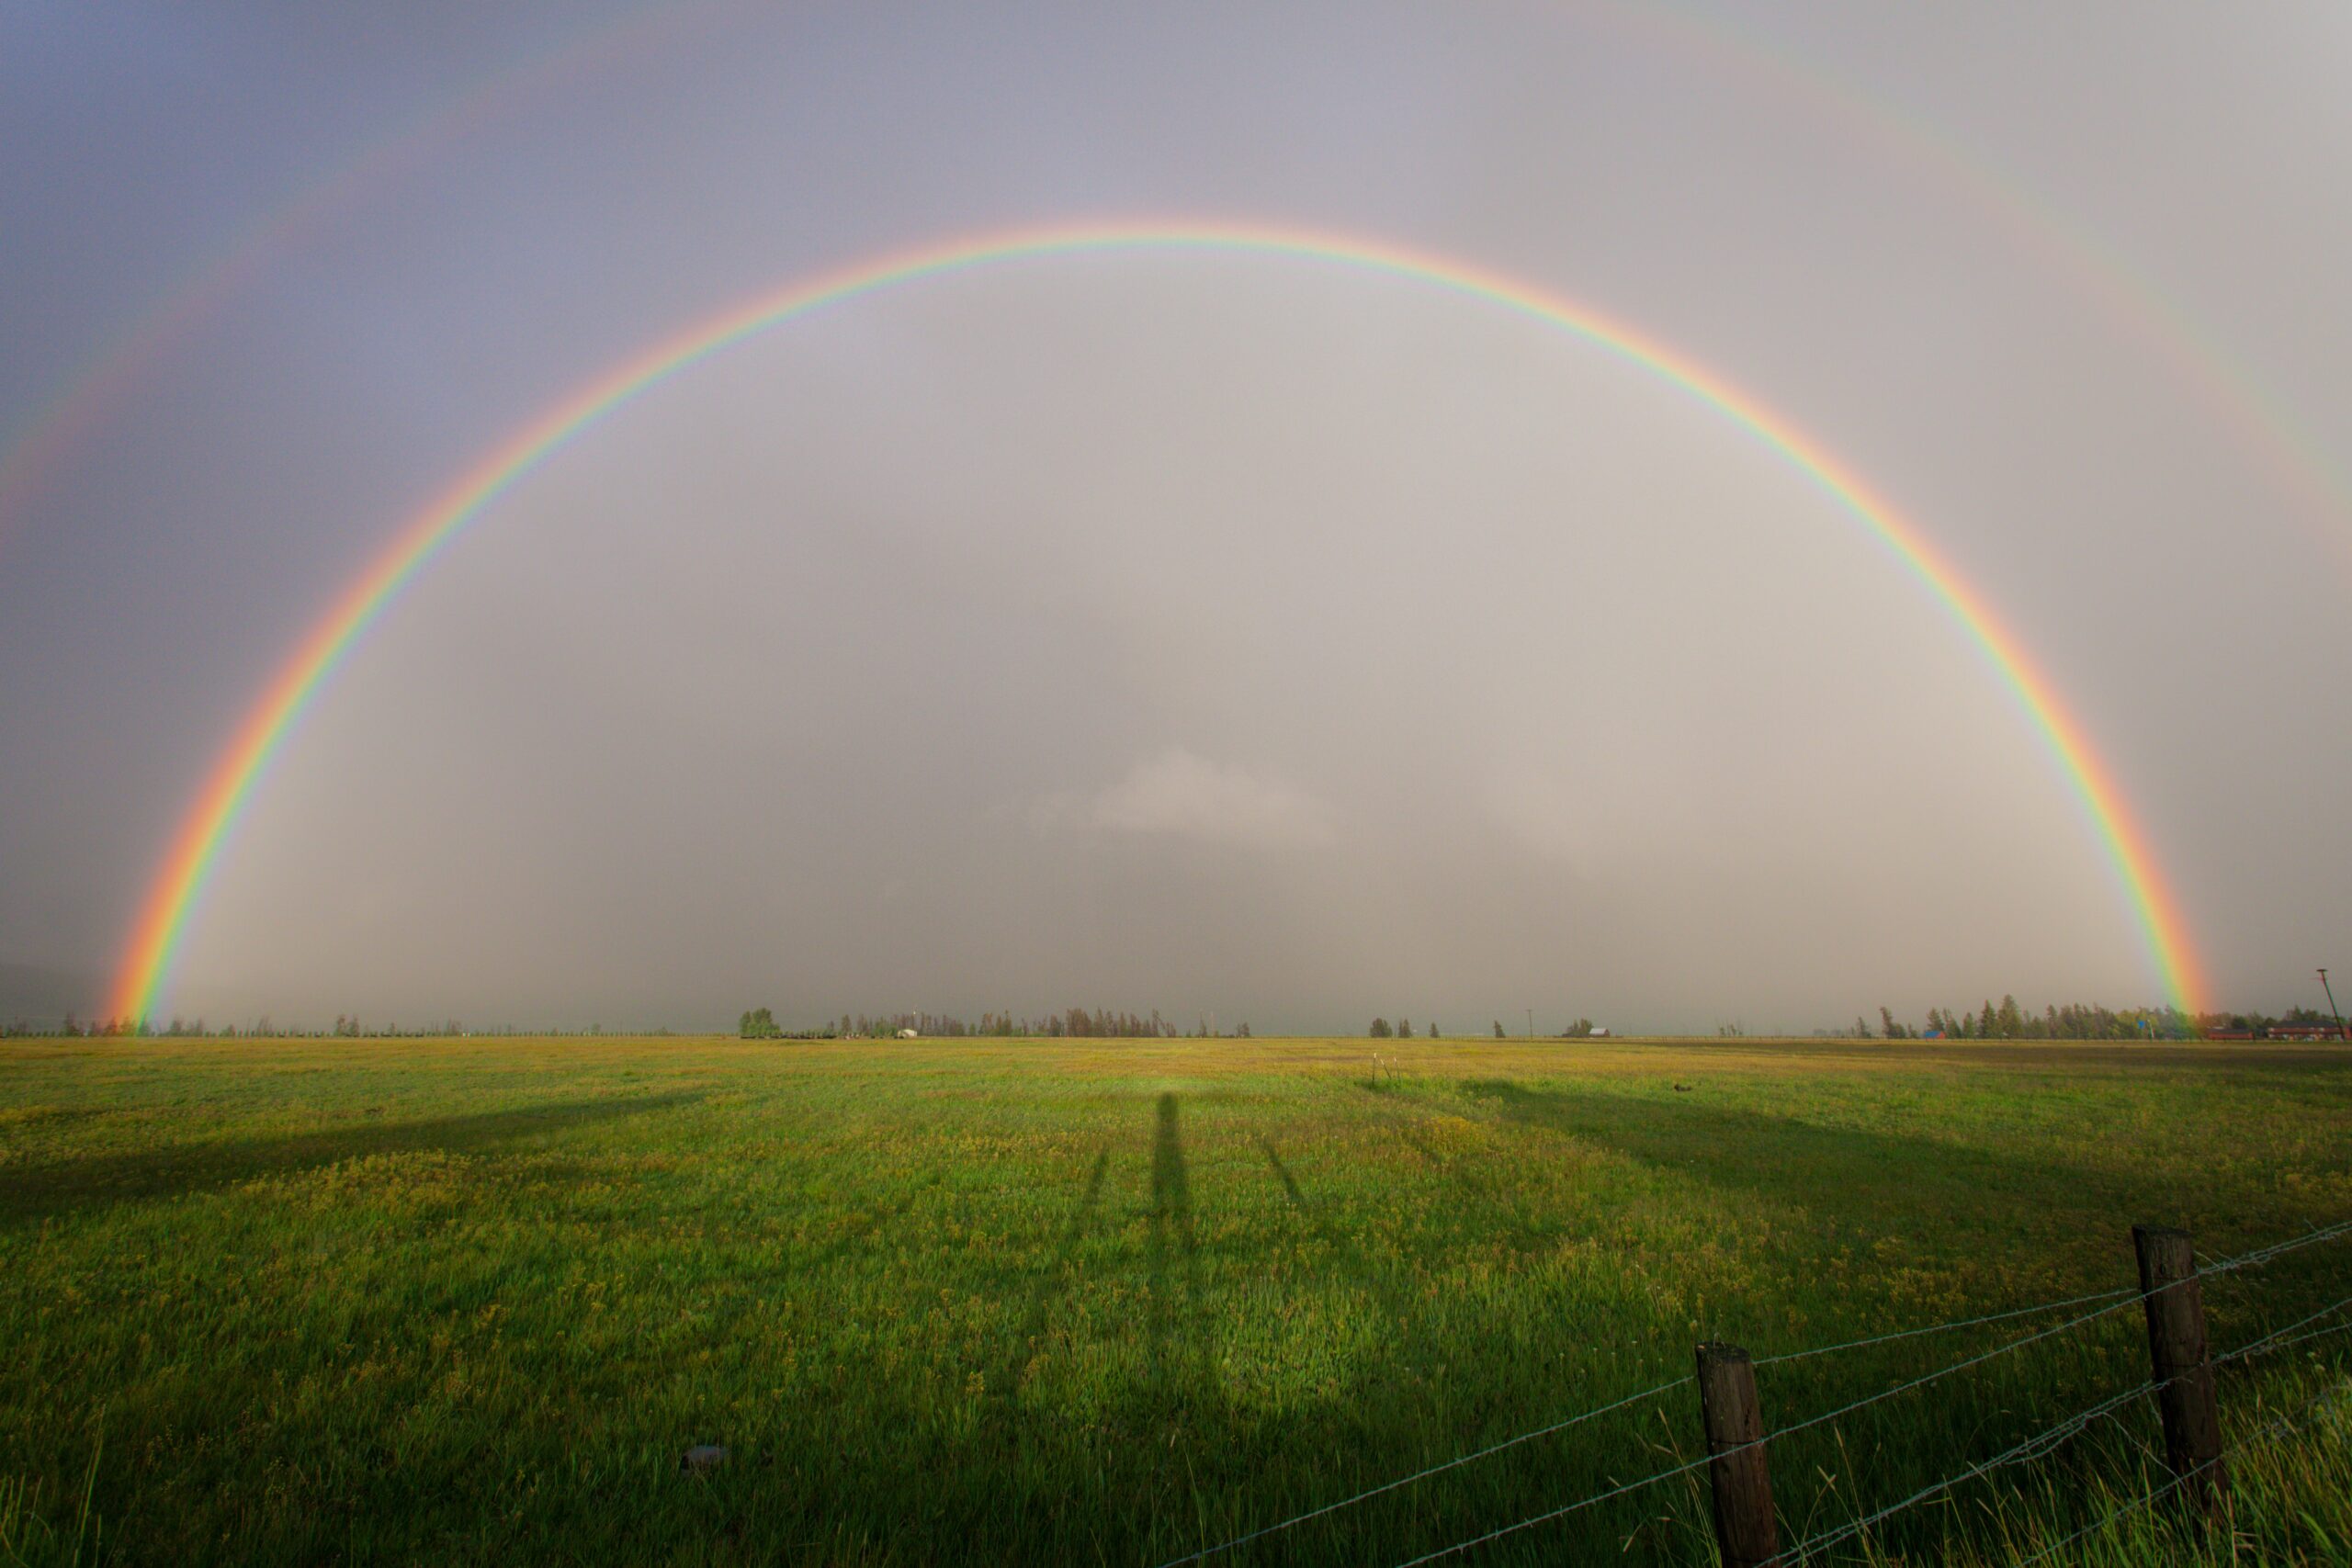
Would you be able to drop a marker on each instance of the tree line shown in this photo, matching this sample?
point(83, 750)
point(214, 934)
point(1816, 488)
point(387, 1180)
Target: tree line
point(2002, 1021)
point(1070, 1023)
point(346, 1026)
point(2083, 1021)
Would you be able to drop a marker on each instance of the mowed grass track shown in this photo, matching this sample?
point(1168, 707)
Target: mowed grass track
point(468, 1300)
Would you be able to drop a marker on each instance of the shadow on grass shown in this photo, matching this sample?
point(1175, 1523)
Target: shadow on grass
point(1462, 1172)
point(1281, 1174)
point(1843, 1172)
point(1173, 1250)
point(1051, 1280)
point(37, 1191)
point(1347, 1261)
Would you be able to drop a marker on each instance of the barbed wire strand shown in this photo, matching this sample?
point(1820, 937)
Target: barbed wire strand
point(1432, 1469)
point(2114, 1296)
point(2263, 1254)
point(2044, 1442)
point(1810, 1421)
point(2209, 1264)
point(2314, 1334)
point(2224, 1265)
point(2113, 1299)
point(2032, 1448)
point(2277, 1340)
point(2244, 1260)
point(1944, 1327)
point(2145, 1498)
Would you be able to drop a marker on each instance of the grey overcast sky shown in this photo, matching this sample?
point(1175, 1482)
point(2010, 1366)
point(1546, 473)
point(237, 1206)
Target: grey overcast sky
point(1192, 631)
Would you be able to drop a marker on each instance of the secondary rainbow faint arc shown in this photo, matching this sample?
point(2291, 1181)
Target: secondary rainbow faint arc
point(2286, 454)
point(195, 850)
point(109, 376)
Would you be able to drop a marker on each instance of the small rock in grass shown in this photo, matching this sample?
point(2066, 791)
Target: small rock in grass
point(702, 1456)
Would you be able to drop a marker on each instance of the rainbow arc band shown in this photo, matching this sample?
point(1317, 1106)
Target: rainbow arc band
point(179, 885)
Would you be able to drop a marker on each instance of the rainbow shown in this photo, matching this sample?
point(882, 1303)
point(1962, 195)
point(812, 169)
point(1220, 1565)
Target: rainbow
point(2282, 449)
point(179, 885)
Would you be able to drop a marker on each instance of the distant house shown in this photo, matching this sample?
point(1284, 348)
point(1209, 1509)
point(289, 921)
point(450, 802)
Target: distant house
point(907, 1034)
point(1600, 1032)
point(2305, 1031)
point(2229, 1034)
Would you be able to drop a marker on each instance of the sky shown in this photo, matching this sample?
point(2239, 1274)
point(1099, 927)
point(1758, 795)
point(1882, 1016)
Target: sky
point(1238, 636)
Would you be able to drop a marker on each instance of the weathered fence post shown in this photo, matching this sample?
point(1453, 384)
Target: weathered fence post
point(1743, 1484)
point(2181, 1363)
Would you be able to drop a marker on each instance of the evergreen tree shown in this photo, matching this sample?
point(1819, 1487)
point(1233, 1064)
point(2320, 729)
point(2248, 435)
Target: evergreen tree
point(2012, 1019)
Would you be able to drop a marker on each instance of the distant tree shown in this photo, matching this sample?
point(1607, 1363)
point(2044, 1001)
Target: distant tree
point(1499, 1029)
point(1431, 1030)
point(1244, 1032)
point(1862, 1030)
point(1988, 1022)
point(1894, 1030)
point(758, 1025)
point(2012, 1020)
point(1403, 1029)
point(1380, 1029)
point(1580, 1030)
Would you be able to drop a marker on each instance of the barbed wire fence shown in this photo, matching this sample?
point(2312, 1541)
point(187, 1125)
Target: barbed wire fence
point(2132, 1504)
point(2039, 1445)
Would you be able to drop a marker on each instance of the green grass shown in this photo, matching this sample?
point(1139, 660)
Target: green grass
point(468, 1300)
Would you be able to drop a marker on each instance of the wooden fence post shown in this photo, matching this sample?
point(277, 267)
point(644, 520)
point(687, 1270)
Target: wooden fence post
point(1745, 1531)
point(2181, 1361)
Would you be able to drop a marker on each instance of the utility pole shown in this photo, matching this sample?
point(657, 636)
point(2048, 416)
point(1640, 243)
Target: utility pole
point(2331, 1003)
point(1531, 1023)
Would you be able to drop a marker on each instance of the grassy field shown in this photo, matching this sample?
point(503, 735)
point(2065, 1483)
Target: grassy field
point(469, 1301)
